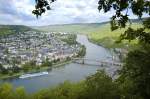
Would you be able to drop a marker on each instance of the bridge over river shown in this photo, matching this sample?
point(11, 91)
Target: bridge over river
point(96, 62)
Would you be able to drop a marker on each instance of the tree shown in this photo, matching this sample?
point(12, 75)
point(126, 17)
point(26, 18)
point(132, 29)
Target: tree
point(29, 65)
point(136, 70)
point(47, 63)
point(3, 70)
point(6, 51)
point(15, 69)
point(41, 6)
point(101, 86)
point(1, 67)
point(121, 17)
point(6, 91)
point(20, 93)
point(134, 77)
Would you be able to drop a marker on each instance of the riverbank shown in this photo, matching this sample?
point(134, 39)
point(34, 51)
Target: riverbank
point(6, 76)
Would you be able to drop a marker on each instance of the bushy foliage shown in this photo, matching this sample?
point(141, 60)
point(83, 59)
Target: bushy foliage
point(82, 51)
point(29, 65)
point(122, 8)
point(101, 86)
point(71, 39)
point(46, 63)
point(134, 77)
point(135, 73)
point(7, 92)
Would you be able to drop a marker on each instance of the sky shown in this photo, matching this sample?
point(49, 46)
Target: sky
point(19, 12)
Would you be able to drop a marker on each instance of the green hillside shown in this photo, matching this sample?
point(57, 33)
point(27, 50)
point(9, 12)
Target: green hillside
point(85, 28)
point(9, 29)
point(73, 28)
point(108, 38)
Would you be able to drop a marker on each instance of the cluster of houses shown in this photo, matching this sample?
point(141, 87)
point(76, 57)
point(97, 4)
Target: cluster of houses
point(20, 48)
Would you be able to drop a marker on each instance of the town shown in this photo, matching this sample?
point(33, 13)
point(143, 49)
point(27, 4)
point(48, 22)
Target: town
point(21, 48)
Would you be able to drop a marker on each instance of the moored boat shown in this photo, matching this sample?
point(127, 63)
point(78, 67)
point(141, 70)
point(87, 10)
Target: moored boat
point(33, 75)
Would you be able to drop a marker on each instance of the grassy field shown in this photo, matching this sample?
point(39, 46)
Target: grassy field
point(108, 38)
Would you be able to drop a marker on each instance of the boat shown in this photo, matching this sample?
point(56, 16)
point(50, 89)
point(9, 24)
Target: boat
point(33, 75)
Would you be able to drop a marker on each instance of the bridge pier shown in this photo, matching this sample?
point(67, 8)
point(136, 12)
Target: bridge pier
point(82, 61)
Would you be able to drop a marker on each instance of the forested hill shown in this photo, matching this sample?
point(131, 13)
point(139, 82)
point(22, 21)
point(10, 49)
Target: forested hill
point(9, 29)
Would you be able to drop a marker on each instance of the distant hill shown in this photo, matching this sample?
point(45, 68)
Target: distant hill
point(9, 29)
point(78, 28)
point(73, 28)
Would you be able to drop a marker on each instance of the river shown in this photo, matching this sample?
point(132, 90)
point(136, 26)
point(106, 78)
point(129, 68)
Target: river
point(72, 72)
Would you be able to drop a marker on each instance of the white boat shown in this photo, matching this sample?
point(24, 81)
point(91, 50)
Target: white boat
point(33, 75)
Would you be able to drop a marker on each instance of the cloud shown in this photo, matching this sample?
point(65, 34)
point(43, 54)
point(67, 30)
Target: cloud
point(15, 12)
point(74, 11)
point(63, 12)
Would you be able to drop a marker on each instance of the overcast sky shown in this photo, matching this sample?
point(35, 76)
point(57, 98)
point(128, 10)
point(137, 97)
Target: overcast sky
point(63, 12)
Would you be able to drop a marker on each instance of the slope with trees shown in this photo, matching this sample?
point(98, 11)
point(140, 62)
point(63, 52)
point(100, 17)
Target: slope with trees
point(10, 29)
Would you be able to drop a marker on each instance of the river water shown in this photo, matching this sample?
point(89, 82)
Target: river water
point(72, 72)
